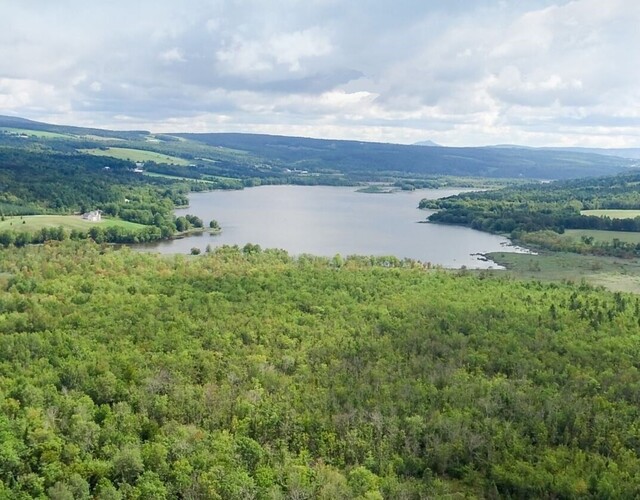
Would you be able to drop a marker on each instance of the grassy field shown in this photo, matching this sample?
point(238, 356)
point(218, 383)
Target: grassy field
point(136, 155)
point(602, 236)
point(613, 214)
point(615, 274)
point(176, 177)
point(102, 138)
point(32, 223)
point(35, 133)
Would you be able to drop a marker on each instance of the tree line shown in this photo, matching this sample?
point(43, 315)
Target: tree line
point(554, 206)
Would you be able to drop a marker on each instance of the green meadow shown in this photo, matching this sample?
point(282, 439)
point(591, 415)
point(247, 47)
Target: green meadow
point(613, 214)
point(34, 133)
point(136, 155)
point(32, 223)
point(600, 236)
point(176, 177)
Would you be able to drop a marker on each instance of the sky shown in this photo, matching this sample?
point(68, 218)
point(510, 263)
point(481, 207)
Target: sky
point(460, 73)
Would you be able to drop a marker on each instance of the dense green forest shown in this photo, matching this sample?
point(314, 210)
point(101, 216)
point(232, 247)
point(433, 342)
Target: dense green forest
point(533, 212)
point(248, 374)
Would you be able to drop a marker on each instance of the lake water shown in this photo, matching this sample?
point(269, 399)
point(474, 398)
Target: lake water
point(326, 221)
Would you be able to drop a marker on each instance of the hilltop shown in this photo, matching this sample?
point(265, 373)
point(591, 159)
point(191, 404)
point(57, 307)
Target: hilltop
point(247, 159)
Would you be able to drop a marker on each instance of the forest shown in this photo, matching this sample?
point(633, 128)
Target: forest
point(246, 373)
point(533, 212)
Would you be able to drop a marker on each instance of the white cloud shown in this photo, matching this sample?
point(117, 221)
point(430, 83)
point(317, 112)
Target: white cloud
point(24, 94)
point(284, 51)
point(537, 71)
point(172, 55)
point(244, 57)
point(291, 48)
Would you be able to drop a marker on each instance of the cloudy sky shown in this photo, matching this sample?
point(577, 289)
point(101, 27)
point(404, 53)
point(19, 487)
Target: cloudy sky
point(458, 72)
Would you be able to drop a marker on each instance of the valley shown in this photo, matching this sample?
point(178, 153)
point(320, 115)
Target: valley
point(324, 344)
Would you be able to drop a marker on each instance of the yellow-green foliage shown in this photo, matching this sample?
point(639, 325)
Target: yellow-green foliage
point(247, 374)
point(613, 214)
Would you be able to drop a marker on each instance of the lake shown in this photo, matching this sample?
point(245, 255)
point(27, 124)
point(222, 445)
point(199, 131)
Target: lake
point(323, 220)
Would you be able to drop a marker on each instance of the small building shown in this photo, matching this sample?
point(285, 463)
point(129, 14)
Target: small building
point(93, 216)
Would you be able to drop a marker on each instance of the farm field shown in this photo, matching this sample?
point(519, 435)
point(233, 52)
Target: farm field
point(613, 214)
point(176, 177)
point(603, 236)
point(136, 155)
point(35, 133)
point(32, 223)
point(101, 138)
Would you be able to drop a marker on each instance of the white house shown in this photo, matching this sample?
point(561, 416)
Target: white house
point(93, 216)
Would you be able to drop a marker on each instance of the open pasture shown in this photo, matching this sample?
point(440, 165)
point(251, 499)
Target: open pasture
point(613, 214)
point(33, 223)
point(137, 155)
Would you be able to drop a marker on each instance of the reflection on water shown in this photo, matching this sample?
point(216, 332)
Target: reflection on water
point(326, 221)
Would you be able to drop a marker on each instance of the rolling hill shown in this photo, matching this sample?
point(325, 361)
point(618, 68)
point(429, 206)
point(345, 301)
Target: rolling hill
point(282, 158)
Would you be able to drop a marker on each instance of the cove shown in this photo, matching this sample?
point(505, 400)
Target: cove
point(322, 220)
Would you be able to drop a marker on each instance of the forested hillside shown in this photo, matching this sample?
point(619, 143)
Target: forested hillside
point(354, 157)
point(54, 182)
point(247, 374)
point(36, 182)
point(24, 124)
point(234, 160)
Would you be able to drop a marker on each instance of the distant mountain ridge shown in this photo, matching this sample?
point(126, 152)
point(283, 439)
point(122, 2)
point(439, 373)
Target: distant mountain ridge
point(24, 123)
point(358, 156)
point(357, 159)
point(633, 153)
point(621, 152)
point(427, 143)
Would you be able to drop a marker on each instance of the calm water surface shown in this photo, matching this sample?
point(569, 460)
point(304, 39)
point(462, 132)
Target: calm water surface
point(330, 220)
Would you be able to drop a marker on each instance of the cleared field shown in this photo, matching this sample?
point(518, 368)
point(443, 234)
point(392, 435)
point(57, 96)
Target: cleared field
point(613, 214)
point(101, 138)
point(176, 177)
point(615, 274)
point(34, 133)
point(602, 236)
point(136, 155)
point(32, 223)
